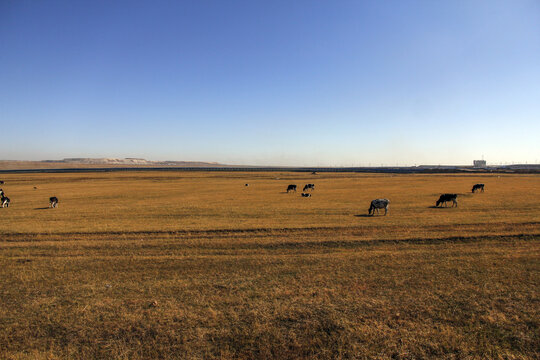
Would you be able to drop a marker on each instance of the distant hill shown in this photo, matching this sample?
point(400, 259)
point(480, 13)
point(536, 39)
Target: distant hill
point(99, 162)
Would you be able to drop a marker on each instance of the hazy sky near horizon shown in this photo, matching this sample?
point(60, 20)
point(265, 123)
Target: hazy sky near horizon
point(329, 83)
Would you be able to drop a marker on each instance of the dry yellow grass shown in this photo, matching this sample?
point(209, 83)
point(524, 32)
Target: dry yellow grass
point(196, 265)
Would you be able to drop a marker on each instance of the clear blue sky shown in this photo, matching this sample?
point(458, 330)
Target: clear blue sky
point(271, 82)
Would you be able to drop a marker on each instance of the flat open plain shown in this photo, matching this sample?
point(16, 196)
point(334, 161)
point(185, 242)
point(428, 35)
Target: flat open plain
point(148, 265)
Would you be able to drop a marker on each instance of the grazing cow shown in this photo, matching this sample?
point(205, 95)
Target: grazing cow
point(378, 204)
point(309, 187)
point(447, 197)
point(478, 187)
point(306, 195)
point(1, 182)
point(291, 188)
point(1, 192)
point(53, 202)
point(4, 200)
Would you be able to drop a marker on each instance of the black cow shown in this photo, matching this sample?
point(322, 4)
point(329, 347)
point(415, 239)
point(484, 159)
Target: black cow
point(4, 200)
point(447, 197)
point(478, 187)
point(378, 204)
point(291, 188)
point(309, 187)
point(306, 195)
point(1, 182)
point(53, 201)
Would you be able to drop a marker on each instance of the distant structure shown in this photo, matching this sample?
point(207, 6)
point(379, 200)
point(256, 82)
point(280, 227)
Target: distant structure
point(479, 163)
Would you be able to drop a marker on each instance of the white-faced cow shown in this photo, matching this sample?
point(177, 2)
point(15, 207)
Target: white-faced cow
point(306, 195)
point(378, 204)
point(309, 187)
point(478, 187)
point(53, 202)
point(291, 188)
point(447, 197)
point(4, 200)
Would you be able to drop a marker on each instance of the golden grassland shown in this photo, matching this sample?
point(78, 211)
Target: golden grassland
point(143, 265)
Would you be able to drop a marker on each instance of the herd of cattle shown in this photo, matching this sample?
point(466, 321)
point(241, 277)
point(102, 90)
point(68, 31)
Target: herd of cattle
point(307, 187)
point(378, 204)
point(375, 205)
point(4, 200)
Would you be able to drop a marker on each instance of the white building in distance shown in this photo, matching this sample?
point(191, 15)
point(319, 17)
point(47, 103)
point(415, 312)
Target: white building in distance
point(479, 163)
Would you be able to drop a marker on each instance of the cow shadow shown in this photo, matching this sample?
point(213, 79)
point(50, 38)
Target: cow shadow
point(364, 216)
point(42, 208)
point(439, 207)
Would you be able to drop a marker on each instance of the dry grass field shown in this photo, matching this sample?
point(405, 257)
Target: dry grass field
point(195, 265)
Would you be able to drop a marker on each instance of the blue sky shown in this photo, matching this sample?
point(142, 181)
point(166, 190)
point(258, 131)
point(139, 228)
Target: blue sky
point(271, 82)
